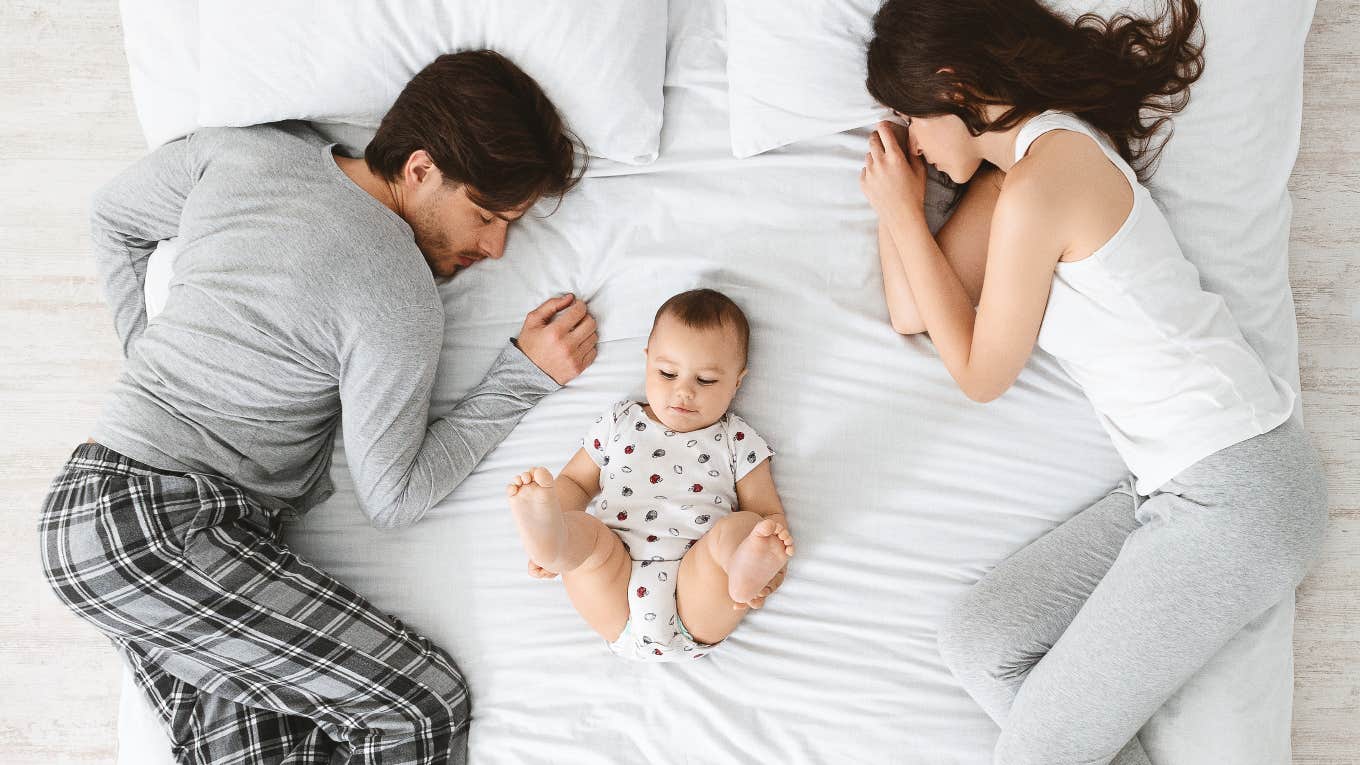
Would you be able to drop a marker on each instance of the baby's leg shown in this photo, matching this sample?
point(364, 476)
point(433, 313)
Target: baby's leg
point(728, 567)
point(594, 566)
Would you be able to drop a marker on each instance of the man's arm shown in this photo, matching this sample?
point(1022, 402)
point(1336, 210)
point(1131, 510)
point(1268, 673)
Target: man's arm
point(403, 465)
point(129, 216)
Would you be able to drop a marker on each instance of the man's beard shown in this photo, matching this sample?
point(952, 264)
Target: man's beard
point(434, 246)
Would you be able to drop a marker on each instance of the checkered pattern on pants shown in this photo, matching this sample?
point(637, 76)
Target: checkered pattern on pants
point(249, 653)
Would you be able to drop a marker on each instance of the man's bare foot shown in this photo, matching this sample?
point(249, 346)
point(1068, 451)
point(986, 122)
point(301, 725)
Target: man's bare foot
point(533, 501)
point(757, 559)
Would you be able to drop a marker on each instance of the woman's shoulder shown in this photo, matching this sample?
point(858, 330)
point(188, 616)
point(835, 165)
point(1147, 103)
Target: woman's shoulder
point(1066, 184)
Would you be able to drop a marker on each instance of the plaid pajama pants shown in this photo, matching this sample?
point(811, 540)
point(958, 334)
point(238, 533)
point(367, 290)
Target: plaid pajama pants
point(249, 653)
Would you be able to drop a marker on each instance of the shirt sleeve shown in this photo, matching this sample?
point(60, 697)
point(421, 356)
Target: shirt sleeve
point(129, 216)
point(596, 441)
point(747, 447)
point(403, 464)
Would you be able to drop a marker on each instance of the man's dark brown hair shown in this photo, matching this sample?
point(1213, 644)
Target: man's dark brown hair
point(708, 309)
point(486, 124)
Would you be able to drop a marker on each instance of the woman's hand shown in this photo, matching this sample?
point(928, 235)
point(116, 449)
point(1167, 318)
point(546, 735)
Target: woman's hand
point(893, 180)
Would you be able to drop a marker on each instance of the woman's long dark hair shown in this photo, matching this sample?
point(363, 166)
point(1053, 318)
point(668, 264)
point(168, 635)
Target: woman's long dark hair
point(1126, 76)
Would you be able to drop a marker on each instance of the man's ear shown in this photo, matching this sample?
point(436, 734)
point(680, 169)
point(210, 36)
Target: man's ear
point(420, 169)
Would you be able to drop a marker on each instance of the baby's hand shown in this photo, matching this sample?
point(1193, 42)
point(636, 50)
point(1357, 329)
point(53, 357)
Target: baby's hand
point(538, 572)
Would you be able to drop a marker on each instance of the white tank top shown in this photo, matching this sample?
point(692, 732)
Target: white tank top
point(1162, 361)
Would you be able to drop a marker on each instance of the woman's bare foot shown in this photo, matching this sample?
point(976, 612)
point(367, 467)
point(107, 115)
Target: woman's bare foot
point(757, 559)
point(538, 515)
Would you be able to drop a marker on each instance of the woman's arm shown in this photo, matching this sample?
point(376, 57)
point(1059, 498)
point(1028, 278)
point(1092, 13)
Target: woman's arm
point(984, 350)
point(962, 238)
point(902, 313)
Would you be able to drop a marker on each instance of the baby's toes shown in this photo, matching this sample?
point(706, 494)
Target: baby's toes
point(542, 476)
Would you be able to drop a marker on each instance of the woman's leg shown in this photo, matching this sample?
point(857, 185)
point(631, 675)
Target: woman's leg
point(963, 238)
point(189, 573)
point(1236, 535)
point(741, 546)
point(1010, 619)
point(590, 557)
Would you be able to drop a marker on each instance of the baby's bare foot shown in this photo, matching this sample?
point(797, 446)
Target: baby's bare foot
point(757, 559)
point(533, 501)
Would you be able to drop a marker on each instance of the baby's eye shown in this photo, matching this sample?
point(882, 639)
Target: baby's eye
point(702, 381)
point(667, 375)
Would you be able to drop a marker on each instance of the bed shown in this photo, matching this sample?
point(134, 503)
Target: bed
point(901, 491)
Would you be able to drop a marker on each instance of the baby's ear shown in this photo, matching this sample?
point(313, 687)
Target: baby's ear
point(741, 377)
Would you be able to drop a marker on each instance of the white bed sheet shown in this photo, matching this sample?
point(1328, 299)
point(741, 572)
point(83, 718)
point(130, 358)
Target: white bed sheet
point(902, 492)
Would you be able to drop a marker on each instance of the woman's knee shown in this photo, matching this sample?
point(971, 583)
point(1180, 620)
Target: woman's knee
point(974, 644)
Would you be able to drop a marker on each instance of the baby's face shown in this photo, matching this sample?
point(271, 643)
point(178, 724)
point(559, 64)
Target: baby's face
point(692, 374)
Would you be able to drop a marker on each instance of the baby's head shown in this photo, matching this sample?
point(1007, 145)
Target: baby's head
point(696, 359)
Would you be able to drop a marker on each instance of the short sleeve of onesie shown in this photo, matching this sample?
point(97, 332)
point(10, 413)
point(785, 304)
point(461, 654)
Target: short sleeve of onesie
point(746, 446)
point(596, 441)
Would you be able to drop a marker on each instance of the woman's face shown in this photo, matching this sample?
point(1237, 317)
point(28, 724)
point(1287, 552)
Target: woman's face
point(945, 142)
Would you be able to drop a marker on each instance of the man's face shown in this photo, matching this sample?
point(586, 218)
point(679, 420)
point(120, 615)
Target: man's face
point(451, 230)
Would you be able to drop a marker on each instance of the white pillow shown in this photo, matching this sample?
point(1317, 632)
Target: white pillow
point(161, 38)
point(602, 62)
point(796, 69)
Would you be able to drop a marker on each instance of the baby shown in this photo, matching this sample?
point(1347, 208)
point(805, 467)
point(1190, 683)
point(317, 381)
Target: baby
point(662, 563)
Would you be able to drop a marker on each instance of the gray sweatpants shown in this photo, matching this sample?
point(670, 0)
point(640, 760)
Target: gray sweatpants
point(1074, 642)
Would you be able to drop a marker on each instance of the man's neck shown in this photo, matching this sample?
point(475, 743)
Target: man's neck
point(377, 186)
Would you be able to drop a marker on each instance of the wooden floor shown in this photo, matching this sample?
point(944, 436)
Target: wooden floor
point(67, 124)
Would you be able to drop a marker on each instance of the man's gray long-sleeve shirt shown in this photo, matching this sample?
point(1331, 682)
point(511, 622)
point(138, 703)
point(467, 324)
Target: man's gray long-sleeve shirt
point(298, 302)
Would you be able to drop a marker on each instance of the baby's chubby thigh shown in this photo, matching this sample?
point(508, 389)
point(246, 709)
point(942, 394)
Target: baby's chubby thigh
point(704, 606)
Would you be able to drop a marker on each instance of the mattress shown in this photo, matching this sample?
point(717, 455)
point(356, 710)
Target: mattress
point(901, 492)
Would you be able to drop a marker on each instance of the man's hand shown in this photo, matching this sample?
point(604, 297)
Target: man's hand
point(559, 336)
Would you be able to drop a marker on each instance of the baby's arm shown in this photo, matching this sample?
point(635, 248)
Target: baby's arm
point(578, 483)
point(756, 493)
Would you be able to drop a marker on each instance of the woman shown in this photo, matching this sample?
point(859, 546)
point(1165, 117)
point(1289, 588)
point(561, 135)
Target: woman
point(1058, 244)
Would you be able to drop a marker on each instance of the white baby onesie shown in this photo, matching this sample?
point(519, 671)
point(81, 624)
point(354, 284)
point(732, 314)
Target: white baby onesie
point(660, 491)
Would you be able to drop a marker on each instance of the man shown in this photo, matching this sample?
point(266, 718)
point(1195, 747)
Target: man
point(304, 298)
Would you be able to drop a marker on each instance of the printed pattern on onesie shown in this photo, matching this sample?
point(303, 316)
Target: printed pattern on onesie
point(660, 491)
